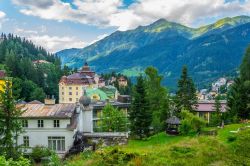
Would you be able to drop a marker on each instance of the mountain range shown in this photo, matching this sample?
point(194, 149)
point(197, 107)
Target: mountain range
point(209, 51)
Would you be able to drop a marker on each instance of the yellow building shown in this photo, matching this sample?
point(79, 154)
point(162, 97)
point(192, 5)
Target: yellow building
point(71, 87)
point(2, 80)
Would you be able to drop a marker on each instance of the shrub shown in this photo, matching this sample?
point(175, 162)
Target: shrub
point(185, 127)
point(40, 152)
point(116, 157)
point(54, 160)
point(10, 162)
point(190, 123)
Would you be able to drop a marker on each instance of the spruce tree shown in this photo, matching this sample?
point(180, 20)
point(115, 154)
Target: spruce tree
point(10, 126)
point(186, 97)
point(140, 116)
point(239, 95)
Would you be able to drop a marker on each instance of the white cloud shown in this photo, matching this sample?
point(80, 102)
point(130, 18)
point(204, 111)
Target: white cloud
point(2, 18)
point(140, 12)
point(56, 43)
point(50, 43)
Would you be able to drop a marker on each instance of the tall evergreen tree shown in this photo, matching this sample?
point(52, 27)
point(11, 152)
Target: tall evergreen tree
point(10, 126)
point(186, 97)
point(158, 98)
point(140, 115)
point(239, 95)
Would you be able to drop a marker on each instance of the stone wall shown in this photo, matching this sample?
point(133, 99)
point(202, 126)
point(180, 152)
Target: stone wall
point(106, 139)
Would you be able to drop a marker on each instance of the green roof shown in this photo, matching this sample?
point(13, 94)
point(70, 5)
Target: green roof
point(96, 91)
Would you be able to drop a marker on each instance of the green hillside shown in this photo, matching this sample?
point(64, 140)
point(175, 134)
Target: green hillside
point(31, 80)
point(210, 51)
point(163, 149)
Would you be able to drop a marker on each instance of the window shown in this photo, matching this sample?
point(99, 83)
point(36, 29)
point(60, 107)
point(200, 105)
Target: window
point(26, 141)
point(62, 88)
point(77, 93)
point(56, 123)
point(62, 93)
point(70, 99)
point(70, 93)
point(56, 143)
point(77, 99)
point(40, 123)
point(70, 88)
point(25, 123)
point(76, 88)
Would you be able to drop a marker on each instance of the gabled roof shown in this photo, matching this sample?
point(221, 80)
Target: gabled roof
point(173, 120)
point(35, 102)
point(47, 111)
point(208, 106)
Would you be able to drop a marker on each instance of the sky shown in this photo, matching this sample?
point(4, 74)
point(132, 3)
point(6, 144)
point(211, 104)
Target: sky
point(62, 24)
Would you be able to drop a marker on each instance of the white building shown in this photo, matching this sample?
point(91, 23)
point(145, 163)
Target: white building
point(49, 125)
point(54, 125)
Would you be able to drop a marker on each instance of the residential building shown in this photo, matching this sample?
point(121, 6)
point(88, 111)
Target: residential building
point(206, 107)
point(50, 125)
point(54, 125)
point(71, 87)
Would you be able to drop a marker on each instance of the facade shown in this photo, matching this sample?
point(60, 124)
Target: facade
point(71, 87)
point(49, 125)
point(206, 107)
point(54, 125)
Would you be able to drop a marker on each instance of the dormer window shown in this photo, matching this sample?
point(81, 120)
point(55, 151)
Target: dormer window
point(40, 123)
point(56, 123)
point(25, 123)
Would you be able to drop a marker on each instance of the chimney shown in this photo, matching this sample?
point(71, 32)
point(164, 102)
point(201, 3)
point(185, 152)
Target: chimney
point(48, 101)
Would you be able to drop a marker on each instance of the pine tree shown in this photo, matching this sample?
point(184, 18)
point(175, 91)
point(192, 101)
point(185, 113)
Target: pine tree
point(140, 115)
point(10, 126)
point(186, 94)
point(238, 100)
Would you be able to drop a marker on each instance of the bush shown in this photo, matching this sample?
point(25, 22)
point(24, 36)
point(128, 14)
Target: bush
point(116, 157)
point(10, 162)
point(190, 123)
point(54, 160)
point(185, 127)
point(40, 152)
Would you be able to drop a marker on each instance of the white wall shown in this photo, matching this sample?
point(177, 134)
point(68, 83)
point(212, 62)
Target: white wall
point(48, 123)
point(87, 116)
point(39, 136)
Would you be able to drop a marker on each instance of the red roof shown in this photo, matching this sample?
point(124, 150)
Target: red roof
point(83, 77)
point(208, 106)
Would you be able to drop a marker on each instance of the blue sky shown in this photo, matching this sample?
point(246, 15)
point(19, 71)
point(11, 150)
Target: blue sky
point(60, 24)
